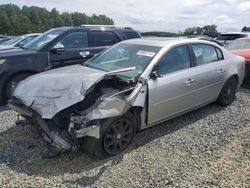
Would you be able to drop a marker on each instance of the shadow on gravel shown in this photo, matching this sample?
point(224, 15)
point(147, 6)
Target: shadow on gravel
point(246, 85)
point(20, 150)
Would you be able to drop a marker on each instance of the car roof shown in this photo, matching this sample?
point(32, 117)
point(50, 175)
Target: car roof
point(94, 27)
point(31, 34)
point(163, 41)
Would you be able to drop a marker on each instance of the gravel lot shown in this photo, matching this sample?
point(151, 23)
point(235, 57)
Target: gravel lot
point(209, 147)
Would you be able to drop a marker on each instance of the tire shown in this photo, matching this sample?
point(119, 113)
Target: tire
point(228, 92)
point(12, 83)
point(116, 134)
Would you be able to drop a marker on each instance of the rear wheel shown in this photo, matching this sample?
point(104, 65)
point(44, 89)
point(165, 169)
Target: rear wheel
point(12, 83)
point(228, 92)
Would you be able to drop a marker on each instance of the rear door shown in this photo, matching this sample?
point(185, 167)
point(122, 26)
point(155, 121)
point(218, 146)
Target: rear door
point(208, 73)
point(70, 49)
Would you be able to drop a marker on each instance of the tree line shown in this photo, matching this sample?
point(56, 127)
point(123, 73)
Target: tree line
point(209, 30)
point(245, 29)
point(17, 21)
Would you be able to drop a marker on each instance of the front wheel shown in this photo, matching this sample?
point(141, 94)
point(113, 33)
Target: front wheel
point(228, 92)
point(116, 134)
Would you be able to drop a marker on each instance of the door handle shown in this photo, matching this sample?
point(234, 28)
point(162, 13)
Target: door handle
point(190, 81)
point(221, 71)
point(85, 54)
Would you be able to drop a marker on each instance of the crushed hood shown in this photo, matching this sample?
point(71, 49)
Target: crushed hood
point(49, 92)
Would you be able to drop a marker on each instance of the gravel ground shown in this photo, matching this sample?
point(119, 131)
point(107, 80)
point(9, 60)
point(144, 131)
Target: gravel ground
point(209, 147)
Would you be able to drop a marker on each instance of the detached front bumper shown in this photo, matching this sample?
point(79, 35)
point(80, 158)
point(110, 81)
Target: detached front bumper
point(54, 136)
point(60, 140)
point(20, 108)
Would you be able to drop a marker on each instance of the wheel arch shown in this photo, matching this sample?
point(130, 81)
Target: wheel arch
point(9, 77)
point(136, 112)
point(236, 76)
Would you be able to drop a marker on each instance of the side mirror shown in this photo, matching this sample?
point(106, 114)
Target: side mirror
point(20, 44)
point(57, 48)
point(154, 74)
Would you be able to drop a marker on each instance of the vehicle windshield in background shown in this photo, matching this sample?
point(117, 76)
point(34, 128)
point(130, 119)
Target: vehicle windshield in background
point(239, 44)
point(124, 56)
point(230, 36)
point(43, 39)
point(12, 41)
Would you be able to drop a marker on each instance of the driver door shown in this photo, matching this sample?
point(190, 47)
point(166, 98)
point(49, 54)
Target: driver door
point(70, 50)
point(171, 92)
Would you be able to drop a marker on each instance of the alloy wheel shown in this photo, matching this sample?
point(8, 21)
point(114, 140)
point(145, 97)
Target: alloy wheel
point(118, 136)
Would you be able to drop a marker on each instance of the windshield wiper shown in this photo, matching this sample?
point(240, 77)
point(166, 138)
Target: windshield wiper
point(121, 70)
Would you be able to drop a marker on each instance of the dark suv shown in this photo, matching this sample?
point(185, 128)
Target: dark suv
point(56, 48)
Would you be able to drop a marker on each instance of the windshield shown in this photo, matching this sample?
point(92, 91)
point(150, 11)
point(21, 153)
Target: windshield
point(239, 44)
point(124, 55)
point(13, 41)
point(230, 36)
point(43, 39)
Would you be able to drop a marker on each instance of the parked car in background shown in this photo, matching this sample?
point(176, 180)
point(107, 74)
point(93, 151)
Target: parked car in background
point(3, 36)
point(226, 38)
point(18, 41)
point(56, 48)
point(131, 86)
point(5, 39)
point(241, 47)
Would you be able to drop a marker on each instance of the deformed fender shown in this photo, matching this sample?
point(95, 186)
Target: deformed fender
point(116, 105)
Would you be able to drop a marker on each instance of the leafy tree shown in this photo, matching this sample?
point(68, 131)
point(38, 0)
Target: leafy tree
point(209, 30)
point(17, 21)
point(245, 29)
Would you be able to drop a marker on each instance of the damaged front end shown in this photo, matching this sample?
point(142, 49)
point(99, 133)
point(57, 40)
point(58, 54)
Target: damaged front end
point(66, 112)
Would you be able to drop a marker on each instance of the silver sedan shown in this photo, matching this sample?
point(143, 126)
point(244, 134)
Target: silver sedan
point(131, 86)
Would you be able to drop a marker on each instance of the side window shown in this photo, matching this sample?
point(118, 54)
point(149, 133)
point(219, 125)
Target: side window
point(220, 54)
point(176, 59)
point(104, 38)
point(74, 40)
point(131, 34)
point(205, 54)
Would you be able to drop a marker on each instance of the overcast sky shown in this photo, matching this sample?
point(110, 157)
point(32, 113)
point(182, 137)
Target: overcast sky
point(148, 15)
